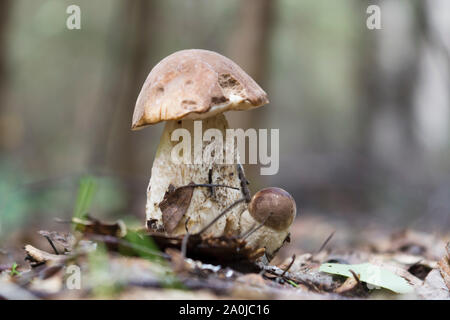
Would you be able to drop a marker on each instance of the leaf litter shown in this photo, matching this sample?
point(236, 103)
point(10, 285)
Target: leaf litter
point(119, 262)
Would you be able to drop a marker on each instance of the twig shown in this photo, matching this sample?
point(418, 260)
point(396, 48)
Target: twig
point(184, 245)
point(244, 183)
point(186, 224)
point(59, 220)
point(39, 256)
point(185, 240)
point(208, 185)
point(221, 215)
point(215, 285)
point(210, 180)
point(289, 266)
point(51, 243)
point(326, 242)
point(312, 281)
point(355, 276)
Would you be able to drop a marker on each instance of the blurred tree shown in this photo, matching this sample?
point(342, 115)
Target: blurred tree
point(5, 7)
point(390, 163)
point(389, 75)
point(249, 47)
point(5, 12)
point(125, 71)
point(433, 96)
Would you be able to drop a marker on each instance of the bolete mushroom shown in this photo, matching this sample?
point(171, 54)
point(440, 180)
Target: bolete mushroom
point(270, 213)
point(191, 85)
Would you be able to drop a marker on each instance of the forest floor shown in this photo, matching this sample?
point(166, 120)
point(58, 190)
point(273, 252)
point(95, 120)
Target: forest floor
point(107, 261)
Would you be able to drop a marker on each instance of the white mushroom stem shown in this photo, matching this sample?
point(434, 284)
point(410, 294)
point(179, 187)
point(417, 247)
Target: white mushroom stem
point(270, 214)
point(263, 237)
point(204, 206)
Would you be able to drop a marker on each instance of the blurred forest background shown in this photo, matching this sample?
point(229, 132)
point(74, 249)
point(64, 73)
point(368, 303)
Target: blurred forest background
point(364, 115)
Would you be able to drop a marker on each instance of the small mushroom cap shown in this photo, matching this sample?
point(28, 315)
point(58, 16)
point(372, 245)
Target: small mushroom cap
point(274, 205)
point(195, 84)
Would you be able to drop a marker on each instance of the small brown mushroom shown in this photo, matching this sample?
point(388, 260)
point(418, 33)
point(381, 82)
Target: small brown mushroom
point(274, 210)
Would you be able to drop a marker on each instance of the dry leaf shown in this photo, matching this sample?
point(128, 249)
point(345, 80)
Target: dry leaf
point(433, 288)
point(38, 256)
point(444, 268)
point(174, 206)
point(95, 226)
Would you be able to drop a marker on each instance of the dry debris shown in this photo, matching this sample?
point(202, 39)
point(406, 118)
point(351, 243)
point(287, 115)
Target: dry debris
point(213, 267)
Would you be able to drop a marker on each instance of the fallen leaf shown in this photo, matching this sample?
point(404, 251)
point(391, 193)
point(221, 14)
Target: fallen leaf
point(174, 206)
point(444, 268)
point(414, 243)
point(370, 274)
point(91, 225)
point(433, 288)
point(39, 256)
point(419, 270)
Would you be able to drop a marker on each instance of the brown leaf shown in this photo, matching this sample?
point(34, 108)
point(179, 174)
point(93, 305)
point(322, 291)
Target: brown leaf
point(444, 268)
point(419, 270)
point(174, 206)
point(95, 226)
point(433, 287)
point(39, 256)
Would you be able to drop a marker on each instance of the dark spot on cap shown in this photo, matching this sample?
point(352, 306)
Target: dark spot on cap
point(218, 100)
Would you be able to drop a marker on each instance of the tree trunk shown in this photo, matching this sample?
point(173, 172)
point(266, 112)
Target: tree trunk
point(5, 12)
point(129, 50)
point(249, 47)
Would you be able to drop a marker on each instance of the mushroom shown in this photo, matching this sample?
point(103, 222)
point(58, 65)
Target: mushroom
point(191, 85)
point(270, 213)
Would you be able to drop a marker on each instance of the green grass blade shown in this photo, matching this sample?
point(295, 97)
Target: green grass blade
point(85, 195)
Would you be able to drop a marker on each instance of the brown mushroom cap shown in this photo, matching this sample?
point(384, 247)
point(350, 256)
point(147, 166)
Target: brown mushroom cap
point(195, 84)
point(274, 205)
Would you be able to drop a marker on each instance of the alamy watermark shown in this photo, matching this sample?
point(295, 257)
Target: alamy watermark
point(221, 150)
point(73, 280)
point(73, 21)
point(373, 21)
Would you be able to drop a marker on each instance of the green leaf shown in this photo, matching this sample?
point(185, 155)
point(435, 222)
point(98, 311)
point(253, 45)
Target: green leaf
point(143, 245)
point(370, 274)
point(85, 195)
point(14, 271)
